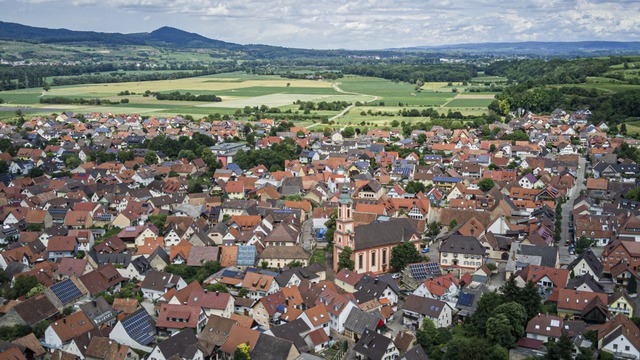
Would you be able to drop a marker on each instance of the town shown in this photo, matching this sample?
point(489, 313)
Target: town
point(128, 237)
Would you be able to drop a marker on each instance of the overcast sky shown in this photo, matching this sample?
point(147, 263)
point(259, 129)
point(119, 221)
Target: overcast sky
point(356, 24)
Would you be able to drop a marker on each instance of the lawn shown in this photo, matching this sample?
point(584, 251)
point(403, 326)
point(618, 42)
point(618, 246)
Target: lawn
point(319, 256)
point(468, 102)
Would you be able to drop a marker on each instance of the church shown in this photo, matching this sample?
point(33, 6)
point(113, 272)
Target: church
point(371, 243)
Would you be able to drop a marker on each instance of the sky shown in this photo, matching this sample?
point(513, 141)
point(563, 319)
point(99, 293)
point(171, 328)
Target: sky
point(355, 24)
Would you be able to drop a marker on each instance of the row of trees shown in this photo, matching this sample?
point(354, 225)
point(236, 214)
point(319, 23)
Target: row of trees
point(176, 95)
point(413, 73)
point(322, 105)
point(79, 101)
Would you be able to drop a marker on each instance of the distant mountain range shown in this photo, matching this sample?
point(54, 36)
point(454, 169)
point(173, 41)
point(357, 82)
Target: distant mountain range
point(536, 47)
point(176, 38)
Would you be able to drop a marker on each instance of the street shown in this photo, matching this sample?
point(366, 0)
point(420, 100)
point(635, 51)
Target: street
point(567, 208)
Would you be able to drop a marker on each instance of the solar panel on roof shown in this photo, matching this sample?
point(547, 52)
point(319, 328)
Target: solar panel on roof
point(139, 326)
point(466, 299)
point(66, 291)
point(229, 273)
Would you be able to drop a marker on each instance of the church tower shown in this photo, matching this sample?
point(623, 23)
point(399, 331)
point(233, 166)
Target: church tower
point(344, 234)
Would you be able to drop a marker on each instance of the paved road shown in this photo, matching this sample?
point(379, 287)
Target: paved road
point(565, 258)
point(308, 242)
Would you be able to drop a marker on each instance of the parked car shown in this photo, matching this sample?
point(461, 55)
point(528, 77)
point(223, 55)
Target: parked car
point(425, 250)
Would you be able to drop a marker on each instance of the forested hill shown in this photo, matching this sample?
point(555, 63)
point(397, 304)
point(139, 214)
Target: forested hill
point(164, 36)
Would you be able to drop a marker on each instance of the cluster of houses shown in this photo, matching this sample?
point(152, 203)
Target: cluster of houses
point(114, 227)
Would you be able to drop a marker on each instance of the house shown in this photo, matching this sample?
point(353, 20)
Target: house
point(338, 306)
point(417, 308)
point(259, 285)
point(30, 312)
point(62, 247)
point(376, 288)
point(279, 256)
point(103, 279)
point(620, 337)
point(359, 322)
point(182, 345)
point(621, 303)
point(103, 348)
point(462, 251)
point(545, 327)
point(317, 318)
point(375, 346)
point(587, 263)
point(272, 348)
point(213, 303)
point(136, 330)
point(441, 288)
point(175, 317)
point(63, 330)
point(573, 303)
point(157, 283)
point(215, 333)
point(617, 250)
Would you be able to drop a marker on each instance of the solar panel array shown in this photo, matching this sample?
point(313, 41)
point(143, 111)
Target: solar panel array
point(465, 299)
point(139, 325)
point(66, 291)
point(424, 271)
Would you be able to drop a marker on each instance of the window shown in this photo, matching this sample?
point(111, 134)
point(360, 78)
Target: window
point(373, 258)
point(384, 256)
point(360, 261)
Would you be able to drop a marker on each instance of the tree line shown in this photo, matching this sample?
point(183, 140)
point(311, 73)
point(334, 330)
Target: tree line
point(176, 95)
point(412, 73)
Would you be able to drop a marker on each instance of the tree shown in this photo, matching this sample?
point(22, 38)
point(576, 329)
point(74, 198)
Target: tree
point(150, 158)
point(73, 162)
point(38, 289)
point(403, 254)
point(422, 138)
point(344, 259)
point(395, 123)
point(220, 288)
point(426, 335)
point(561, 349)
point(632, 288)
point(485, 309)
point(414, 187)
point(348, 132)
point(486, 184)
point(469, 348)
point(516, 314)
point(242, 352)
point(453, 223)
point(501, 331)
point(582, 244)
point(25, 283)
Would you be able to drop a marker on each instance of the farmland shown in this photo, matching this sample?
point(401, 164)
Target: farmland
point(239, 90)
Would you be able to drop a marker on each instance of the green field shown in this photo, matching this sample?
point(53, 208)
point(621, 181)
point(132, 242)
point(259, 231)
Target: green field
point(239, 90)
point(469, 102)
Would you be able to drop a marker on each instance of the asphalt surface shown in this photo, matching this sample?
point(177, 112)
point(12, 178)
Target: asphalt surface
point(565, 257)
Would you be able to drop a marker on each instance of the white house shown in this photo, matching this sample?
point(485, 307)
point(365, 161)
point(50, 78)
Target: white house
point(417, 308)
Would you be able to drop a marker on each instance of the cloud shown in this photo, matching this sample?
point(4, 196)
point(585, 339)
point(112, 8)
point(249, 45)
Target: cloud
point(357, 24)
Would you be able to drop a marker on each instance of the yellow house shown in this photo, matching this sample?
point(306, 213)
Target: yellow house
point(621, 303)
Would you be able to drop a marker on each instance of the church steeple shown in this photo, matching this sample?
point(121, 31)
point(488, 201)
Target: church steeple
point(345, 198)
